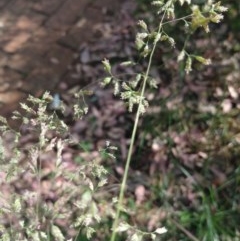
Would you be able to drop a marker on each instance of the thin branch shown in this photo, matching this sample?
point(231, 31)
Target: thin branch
point(178, 19)
point(185, 231)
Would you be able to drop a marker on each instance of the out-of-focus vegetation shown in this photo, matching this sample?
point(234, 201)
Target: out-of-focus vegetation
point(193, 132)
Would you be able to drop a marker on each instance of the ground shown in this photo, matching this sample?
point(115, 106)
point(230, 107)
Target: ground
point(40, 41)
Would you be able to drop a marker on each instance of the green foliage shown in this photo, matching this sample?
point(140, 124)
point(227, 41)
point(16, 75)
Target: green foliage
point(146, 42)
point(29, 215)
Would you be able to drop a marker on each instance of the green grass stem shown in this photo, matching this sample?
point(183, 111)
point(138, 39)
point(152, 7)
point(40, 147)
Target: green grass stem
point(130, 150)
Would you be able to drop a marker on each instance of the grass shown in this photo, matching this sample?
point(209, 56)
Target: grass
point(187, 158)
point(200, 197)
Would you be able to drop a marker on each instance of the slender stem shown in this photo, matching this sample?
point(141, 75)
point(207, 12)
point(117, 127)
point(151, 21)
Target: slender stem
point(185, 231)
point(178, 19)
point(39, 173)
point(39, 191)
point(130, 150)
point(78, 234)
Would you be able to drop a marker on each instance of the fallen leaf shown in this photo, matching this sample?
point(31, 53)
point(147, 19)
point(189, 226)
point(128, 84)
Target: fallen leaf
point(140, 194)
point(226, 105)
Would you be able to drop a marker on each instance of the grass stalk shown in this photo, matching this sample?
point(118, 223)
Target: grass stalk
point(185, 231)
point(130, 150)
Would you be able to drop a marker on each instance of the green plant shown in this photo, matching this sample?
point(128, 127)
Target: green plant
point(134, 92)
point(34, 216)
point(34, 213)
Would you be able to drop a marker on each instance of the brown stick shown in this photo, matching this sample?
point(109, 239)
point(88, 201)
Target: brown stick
point(179, 226)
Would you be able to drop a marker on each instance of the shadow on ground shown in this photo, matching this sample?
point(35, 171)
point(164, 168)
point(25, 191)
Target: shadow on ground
point(40, 40)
